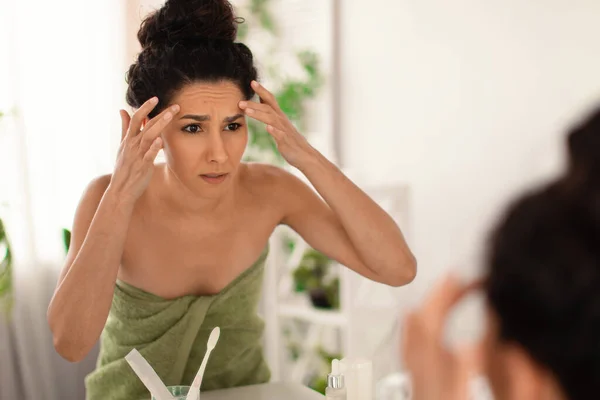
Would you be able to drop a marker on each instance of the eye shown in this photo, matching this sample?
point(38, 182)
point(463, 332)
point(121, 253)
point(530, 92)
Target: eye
point(233, 126)
point(193, 129)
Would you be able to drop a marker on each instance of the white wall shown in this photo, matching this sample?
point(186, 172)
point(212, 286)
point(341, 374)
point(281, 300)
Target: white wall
point(466, 101)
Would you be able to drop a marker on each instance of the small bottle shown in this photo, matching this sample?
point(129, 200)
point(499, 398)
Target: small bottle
point(336, 386)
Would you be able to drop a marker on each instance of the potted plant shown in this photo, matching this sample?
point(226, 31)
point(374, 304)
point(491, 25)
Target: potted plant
point(313, 277)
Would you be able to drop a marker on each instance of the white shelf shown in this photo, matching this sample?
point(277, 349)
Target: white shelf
point(362, 325)
point(308, 313)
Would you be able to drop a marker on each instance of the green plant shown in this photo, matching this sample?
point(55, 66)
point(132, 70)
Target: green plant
point(292, 93)
point(313, 277)
point(5, 270)
point(66, 239)
point(319, 382)
point(6, 264)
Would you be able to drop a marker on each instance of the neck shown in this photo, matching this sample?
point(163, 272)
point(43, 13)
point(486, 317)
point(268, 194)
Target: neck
point(181, 198)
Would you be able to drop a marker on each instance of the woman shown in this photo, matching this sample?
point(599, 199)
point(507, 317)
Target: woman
point(543, 297)
point(160, 254)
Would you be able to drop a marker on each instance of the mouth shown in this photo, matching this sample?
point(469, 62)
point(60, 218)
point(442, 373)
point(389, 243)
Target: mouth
point(214, 179)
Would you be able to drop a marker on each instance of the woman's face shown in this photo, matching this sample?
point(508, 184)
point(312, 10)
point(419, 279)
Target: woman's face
point(205, 142)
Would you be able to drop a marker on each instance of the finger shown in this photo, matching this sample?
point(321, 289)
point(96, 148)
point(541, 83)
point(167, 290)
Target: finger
point(125, 120)
point(471, 358)
point(409, 332)
point(173, 108)
point(277, 133)
point(438, 305)
point(152, 152)
point(268, 117)
point(256, 106)
point(265, 96)
point(153, 131)
point(138, 117)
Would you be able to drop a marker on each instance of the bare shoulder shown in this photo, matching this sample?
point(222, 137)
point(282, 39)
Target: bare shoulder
point(282, 190)
point(272, 180)
point(90, 199)
point(86, 209)
point(98, 185)
point(88, 204)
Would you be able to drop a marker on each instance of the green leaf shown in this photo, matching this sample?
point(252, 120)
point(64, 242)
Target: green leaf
point(318, 384)
point(292, 93)
point(260, 9)
point(267, 22)
point(242, 32)
point(6, 284)
point(66, 239)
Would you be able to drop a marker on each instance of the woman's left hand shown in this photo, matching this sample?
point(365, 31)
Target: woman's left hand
point(291, 144)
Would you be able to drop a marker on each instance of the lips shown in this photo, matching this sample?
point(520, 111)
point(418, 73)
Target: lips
point(214, 178)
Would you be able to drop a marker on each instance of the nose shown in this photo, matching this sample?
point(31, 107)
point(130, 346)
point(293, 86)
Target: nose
point(216, 149)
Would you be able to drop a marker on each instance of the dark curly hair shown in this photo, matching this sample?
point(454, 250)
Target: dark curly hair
point(544, 269)
point(188, 41)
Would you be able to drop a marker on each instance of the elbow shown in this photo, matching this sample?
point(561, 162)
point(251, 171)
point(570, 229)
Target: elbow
point(64, 344)
point(68, 350)
point(405, 274)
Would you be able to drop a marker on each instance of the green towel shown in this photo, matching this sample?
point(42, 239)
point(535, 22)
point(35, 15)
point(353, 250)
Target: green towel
point(172, 335)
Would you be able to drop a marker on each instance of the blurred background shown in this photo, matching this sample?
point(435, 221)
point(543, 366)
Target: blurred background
point(440, 110)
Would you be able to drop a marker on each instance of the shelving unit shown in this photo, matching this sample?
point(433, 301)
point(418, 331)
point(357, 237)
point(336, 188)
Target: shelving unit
point(367, 312)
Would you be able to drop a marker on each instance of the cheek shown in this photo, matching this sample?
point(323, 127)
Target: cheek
point(177, 149)
point(236, 144)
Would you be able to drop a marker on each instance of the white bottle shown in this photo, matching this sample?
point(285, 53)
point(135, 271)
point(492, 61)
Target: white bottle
point(358, 373)
point(336, 386)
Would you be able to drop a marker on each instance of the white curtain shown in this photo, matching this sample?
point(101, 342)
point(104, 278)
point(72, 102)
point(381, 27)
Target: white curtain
point(62, 69)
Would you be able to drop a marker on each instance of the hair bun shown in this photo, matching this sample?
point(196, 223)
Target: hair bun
point(582, 179)
point(584, 141)
point(583, 144)
point(184, 20)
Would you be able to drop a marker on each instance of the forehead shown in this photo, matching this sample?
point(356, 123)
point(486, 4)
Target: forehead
point(201, 94)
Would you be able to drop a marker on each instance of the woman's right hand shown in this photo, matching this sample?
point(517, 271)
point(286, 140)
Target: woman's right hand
point(437, 371)
point(138, 150)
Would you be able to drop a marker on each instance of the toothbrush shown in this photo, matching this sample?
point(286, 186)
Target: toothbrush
point(194, 392)
point(148, 376)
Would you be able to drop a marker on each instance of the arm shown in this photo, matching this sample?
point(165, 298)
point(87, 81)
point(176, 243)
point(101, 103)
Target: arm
point(79, 308)
point(348, 226)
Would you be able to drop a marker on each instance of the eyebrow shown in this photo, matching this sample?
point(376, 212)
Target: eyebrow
point(202, 118)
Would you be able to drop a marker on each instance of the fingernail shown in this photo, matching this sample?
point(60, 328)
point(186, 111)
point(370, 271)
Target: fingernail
point(249, 111)
point(168, 116)
point(255, 84)
point(154, 100)
point(175, 108)
point(243, 104)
